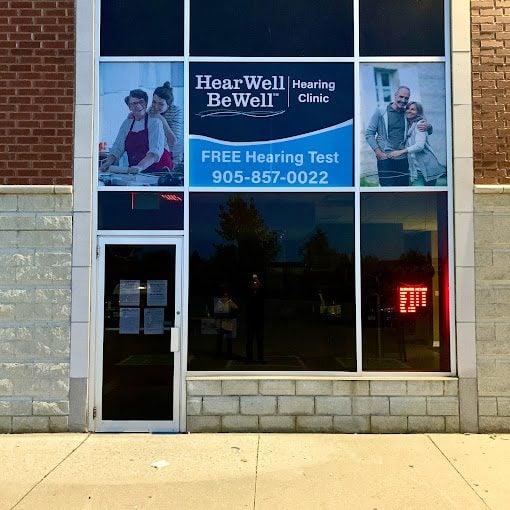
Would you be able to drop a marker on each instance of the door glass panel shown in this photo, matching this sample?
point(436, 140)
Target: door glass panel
point(139, 312)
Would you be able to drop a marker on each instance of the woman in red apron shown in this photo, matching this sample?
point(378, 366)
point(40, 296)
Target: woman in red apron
point(142, 137)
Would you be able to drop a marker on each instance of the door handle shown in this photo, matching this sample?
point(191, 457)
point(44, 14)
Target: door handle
point(175, 337)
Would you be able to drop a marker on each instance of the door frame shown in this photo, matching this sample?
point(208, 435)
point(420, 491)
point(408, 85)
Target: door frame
point(174, 425)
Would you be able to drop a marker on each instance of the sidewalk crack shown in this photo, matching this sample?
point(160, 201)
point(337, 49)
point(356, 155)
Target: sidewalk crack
point(458, 472)
point(50, 471)
point(256, 472)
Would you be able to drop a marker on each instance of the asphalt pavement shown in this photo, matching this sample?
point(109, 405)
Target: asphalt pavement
point(254, 471)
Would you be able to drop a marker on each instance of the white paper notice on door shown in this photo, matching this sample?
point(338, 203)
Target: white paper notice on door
point(157, 292)
point(129, 321)
point(129, 293)
point(153, 321)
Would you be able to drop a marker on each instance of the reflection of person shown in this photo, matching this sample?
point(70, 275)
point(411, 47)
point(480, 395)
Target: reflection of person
point(424, 167)
point(255, 319)
point(141, 137)
point(387, 132)
point(224, 308)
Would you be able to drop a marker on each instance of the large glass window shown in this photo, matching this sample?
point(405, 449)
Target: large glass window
point(149, 28)
point(266, 139)
point(269, 28)
point(404, 279)
point(272, 282)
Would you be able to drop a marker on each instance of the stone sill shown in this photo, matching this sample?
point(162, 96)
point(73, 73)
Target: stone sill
point(389, 377)
point(36, 189)
point(492, 188)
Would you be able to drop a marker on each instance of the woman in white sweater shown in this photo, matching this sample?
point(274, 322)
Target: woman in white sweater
point(424, 167)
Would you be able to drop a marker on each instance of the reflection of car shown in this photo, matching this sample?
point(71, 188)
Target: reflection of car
point(387, 313)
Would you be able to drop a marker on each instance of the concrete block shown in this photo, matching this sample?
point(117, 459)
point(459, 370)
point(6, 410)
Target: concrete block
point(64, 202)
point(351, 388)
point(59, 423)
point(296, 405)
point(220, 405)
point(503, 406)
point(502, 334)
point(6, 387)
point(30, 424)
point(204, 387)
point(53, 222)
point(239, 387)
point(194, 406)
point(31, 202)
point(18, 221)
point(365, 406)
point(426, 388)
point(78, 397)
point(41, 408)
point(277, 423)
point(452, 424)
point(8, 238)
point(277, 387)
point(388, 424)
point(351, 424)
point(333, 405)
point(451, 388)
point(8, 203)
point(314, 424)
point(384, 388)
point(405, 406)
point(490, 424)
point(485, 332)
point(468, 405)
point(309, 387)
point(15, 407)
point(493, 386)
point(239, 423)
point(5, 424)
point(488, 406)
point(421, 424)
point(41, 239)
point(203, 424)
point(445, 406)
point(258, 405)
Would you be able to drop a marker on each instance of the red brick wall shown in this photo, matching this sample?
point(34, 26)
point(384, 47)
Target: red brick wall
point(490, 24)
point(37, 91)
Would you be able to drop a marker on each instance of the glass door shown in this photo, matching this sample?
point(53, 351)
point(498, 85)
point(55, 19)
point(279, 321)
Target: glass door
point(138, 359)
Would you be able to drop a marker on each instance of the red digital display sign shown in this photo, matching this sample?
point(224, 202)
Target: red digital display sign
point(411, 298)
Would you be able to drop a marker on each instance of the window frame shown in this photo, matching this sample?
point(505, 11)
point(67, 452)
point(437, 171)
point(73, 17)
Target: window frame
point(356, 60)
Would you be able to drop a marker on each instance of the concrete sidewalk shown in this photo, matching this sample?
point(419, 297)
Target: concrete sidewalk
point(262, 471)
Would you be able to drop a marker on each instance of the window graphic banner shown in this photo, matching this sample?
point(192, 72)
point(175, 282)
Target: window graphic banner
point(271, 125)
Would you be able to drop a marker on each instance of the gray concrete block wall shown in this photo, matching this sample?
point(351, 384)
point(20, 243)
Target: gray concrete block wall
point(35, 304)
point(492, 277)
point(377, 405)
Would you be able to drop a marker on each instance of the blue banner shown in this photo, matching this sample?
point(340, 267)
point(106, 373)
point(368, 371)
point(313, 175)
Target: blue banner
point(322, 159)
point(271, 125)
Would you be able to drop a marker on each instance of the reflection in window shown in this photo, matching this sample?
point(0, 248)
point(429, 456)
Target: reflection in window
point(292, 28)
point(149, 28)
point(405, 292)
point(401, 28)
point(271, 282)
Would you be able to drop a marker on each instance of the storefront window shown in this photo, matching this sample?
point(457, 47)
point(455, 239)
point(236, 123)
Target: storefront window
point(281, 122)
point(404, 280)
point(288, 28)
point(286, 262)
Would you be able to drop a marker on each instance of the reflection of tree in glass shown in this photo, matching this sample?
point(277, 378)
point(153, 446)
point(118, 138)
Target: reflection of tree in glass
point(242, 224)
point(331, 269)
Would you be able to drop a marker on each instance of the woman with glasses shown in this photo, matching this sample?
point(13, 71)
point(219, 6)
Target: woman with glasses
point(142, 137)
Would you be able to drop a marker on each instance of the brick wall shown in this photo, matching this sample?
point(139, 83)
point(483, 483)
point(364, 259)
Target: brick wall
point(490, 22)
point(37, 91)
